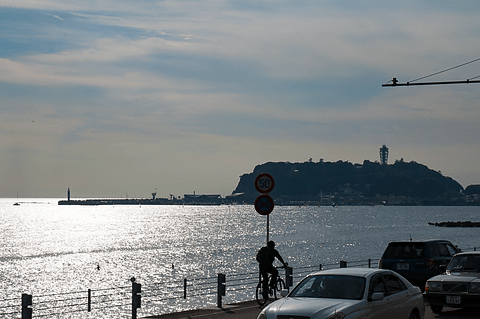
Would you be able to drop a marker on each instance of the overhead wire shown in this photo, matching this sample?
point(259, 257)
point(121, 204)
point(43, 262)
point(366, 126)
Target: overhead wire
point(460, 65)
point(478, 76)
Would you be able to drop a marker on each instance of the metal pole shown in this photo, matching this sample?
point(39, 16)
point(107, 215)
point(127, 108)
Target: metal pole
point(89, 308)
point(27, 306)
point(184, 288)
point(268, 228)
point(395, 83)
point(221, 289)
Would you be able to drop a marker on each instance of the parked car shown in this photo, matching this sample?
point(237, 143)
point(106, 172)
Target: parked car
point(351, 293)
point(418, 261)
point(459, 287)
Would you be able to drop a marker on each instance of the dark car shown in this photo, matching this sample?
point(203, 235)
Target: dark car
point(418, 261)
point(459, 287)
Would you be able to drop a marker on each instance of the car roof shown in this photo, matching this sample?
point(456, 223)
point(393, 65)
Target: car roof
point(468, 253)
point(350, 271)
point(421, 241)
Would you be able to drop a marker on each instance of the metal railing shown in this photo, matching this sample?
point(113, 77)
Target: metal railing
point(153, 296)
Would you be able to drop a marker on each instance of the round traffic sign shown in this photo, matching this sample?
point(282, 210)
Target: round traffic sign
point(264, 204)
point(264, 183)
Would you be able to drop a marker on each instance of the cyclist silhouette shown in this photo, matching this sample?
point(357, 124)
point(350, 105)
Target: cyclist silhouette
point(265, 257)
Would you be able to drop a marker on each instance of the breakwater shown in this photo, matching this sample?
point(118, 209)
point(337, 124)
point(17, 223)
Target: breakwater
point(456, 224)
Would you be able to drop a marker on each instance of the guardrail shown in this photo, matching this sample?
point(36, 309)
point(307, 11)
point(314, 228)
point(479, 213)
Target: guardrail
point(125, 301)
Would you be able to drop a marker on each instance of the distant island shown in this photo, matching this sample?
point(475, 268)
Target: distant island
point(331, 183)
point(370, 183)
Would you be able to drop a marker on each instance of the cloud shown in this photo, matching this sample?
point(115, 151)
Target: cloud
point(232, 83)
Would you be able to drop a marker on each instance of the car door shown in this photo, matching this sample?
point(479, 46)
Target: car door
point(378, 309)
point(398, 297)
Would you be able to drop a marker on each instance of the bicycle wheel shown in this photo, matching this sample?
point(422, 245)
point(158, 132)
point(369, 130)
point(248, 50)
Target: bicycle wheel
point(261, 298)
point(279, 287)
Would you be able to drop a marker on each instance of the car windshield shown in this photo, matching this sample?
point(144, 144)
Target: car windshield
point(465, 263)
point(405, 250)
point(331, 286)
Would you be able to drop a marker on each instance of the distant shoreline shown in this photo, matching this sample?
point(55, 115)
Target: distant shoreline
point(229, 201)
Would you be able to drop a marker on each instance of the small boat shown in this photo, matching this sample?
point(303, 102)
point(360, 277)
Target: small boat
point(17, 203)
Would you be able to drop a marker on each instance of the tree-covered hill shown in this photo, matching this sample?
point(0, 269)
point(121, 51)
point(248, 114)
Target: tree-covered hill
point(314, 180)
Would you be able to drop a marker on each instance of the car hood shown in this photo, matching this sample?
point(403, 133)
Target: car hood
point(312, 307)
point(457, 277)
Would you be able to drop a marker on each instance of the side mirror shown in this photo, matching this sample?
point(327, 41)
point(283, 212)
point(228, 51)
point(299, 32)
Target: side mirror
point(284, 293)
point(377, 296)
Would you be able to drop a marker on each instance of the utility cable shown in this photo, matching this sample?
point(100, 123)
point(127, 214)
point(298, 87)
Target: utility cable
point(478, 76)
point(423, 77)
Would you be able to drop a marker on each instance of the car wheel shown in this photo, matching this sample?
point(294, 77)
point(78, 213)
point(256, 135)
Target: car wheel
point(414, 315)
point(436, 308)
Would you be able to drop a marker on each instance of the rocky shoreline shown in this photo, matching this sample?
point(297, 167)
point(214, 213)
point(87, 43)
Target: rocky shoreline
point(456, 224)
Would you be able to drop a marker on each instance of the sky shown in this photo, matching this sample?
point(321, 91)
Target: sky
point(125, 98)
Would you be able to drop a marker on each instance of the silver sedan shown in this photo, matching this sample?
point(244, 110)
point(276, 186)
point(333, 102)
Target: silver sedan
point(348, 293)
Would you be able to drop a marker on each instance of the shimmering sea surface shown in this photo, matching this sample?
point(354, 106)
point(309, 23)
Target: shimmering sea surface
point(50, 249)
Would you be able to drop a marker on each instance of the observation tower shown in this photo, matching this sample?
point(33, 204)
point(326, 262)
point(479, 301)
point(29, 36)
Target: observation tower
point(384, 155)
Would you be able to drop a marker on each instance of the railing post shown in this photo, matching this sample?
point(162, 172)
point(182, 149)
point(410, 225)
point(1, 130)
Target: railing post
point(184, 288)
point(89, 307)
point(221, 289)
point(27, 306)
point(136, 297)
point(343, 264)
point(289, 277)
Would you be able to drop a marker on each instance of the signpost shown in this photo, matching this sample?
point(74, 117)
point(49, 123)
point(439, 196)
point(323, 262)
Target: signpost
point(264, 205)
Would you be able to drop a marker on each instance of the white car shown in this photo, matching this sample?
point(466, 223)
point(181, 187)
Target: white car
point(350, 293)
point(459, 287)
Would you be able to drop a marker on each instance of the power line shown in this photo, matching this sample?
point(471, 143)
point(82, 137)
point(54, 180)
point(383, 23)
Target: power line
point(460, 65)
point(409, 83)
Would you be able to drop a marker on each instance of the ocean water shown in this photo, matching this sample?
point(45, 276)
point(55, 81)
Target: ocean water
point(48, 249)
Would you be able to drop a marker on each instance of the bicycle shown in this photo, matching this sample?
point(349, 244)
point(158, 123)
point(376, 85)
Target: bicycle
point(272, 292)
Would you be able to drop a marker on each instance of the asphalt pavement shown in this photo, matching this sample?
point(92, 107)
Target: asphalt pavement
point(250, 310)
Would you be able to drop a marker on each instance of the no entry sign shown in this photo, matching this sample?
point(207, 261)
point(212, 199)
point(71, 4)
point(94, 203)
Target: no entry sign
point(264, 204)
point(264, 183)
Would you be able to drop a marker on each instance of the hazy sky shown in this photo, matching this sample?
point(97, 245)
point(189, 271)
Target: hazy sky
point(121, 97)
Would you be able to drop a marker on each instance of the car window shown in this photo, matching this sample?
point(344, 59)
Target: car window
point(394, 284)
point(377, 285)
point(452, 250)
point(331, 286)
point(465, 263)
point(443, 250)
point(405, 250)
point(307, 287)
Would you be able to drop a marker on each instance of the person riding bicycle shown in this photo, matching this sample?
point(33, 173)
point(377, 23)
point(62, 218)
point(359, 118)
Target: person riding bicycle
point(265, 257)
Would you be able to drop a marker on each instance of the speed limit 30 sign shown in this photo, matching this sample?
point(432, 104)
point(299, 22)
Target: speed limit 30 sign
point(264, 183)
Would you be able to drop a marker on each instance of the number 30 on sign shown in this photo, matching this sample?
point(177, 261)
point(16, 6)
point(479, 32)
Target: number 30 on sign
point(264, 183)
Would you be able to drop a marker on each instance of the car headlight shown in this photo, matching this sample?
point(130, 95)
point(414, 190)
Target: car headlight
point(433, 286)
point(474, 287)
point(337, 315)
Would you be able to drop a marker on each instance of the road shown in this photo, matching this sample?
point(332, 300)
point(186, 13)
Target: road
point(250, 310)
